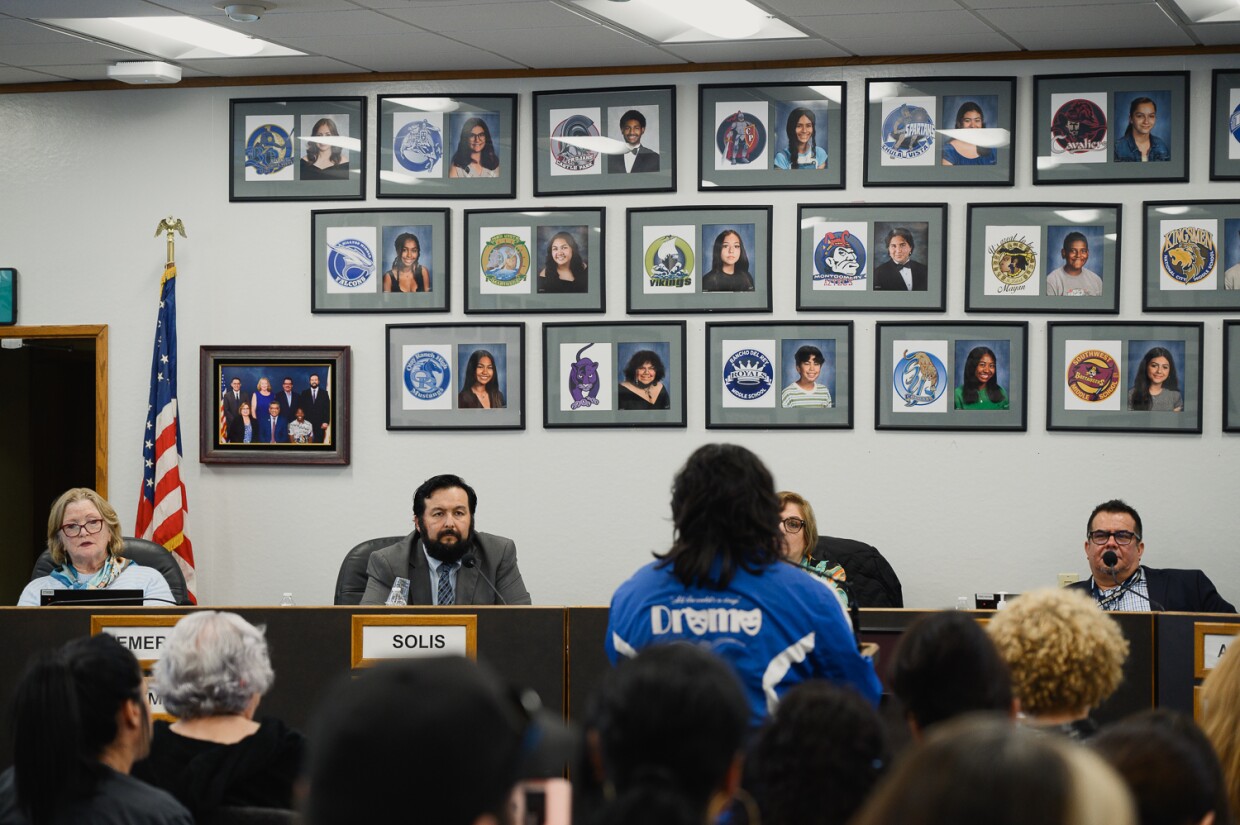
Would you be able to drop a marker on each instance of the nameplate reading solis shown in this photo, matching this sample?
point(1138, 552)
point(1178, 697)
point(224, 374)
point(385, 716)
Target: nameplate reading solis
point(145, 636)
point(1210, 642)
point(376, 638)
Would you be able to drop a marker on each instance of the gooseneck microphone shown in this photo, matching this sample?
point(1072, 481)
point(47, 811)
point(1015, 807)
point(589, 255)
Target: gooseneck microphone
point(471, 561)
point(1110, 560)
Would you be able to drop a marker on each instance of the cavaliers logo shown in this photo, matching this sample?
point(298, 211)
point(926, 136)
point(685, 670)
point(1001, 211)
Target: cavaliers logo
point(908, 132)
point(1078, 126)
point(564, 153)
point(1013, 261)
point(669, 261)
point(268, 149)
point(920, 378)
point(1188, 254)
point(418, 146)
point(1093, 375)
point(839, 259)
point(350, 262)
point(748, 374)
point(505, 260)
point(740, 138)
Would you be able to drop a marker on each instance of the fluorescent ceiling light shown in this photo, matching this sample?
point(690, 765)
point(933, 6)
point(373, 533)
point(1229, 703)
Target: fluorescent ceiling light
point(988, 137)
point(593, 143)
point(724, 19)
point(1079, 215)
point(425, 104)
point(172, 37)
point(350, 144)
point(691, 21)
point(1210, 11)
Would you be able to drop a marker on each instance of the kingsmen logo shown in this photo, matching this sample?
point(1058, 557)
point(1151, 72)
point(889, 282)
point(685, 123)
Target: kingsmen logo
point(1013, 261)
point(427, 375)
point(1093, 375)
point(564, 153)
point(268, 149)
point(748, 374)
point(839, 259)
point(350, 262)
point(920, 378)
point(1188, 254)
point(1078, 126)
point(908, 132)
point(740, 138)
point(669, 261)
point(418, 146)
point(505, 260)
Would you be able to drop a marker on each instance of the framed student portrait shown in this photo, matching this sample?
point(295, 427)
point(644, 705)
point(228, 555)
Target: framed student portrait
point(1191, 256)
point(1225, 125)
point(1231, 376)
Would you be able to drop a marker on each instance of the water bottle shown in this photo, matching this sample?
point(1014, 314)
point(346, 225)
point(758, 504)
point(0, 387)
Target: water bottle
point(962, 602)
point(399, 597)
point(287, 600)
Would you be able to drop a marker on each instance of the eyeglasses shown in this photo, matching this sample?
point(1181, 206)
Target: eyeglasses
point(793, 524)
point(1122, 537)
point(74, 530)
point(476, 136)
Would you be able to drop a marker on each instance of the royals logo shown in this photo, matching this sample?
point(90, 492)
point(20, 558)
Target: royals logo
point(427, 375)
point(1013, 261)
point(564, 153)
point(1078, 126)
point(920, 378)
point(268, 149)
point(669, 262)
point(418, 146)
point(350, 262)
point(839, 259)
point(748, 374)
point(1189, 254)
point(1093, 375)
point(505, 260)
point(740, 138)
point(908, 132)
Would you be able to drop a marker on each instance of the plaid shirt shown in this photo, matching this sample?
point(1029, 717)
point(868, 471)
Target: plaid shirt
point(1132, 595)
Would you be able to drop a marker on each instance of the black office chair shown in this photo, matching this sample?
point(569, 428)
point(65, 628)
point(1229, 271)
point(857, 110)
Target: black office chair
point(351, 581)
point(872, 580)
point(145, 553)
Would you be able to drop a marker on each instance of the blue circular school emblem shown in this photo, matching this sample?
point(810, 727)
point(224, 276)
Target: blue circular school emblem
point(740, 138)
point(268, 149)
point(505, 260)
point(839, 259)
point(1189, 254)
point(427, 375)
point(1234, 124)
point(920, 378)
point(418, 146)
point(908, 132)
point(748, 374)
point(669, 261)
point(564, 153)
point(350, 262)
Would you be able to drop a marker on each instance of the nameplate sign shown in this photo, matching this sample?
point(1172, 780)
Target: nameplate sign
point(145, 636)
point(1210, 642)
point(376, 638)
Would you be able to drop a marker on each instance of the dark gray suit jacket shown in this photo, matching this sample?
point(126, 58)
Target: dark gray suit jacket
point(1184, 591)
point(497, 559)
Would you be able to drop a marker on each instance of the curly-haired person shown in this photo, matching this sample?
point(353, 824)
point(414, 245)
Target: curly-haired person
point(1066, 657)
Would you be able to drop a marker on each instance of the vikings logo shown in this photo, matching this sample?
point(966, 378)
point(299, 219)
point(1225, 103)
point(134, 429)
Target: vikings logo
point(1188, 254)
point(418, 146)
point(669, 261)
point(268, 149)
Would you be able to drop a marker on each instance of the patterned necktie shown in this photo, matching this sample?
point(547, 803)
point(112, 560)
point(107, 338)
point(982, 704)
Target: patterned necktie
point(446, 596)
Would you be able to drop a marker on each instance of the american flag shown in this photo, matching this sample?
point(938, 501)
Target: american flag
point(161, 505)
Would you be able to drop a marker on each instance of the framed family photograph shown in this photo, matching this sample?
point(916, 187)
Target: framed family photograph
point(1225, 125)
point(544, 260)
point(1231, 376)
point(274, 405)
point(946, 375)
point(592, 141)
point(628, 374)
point(1110, 128)
point(379, 260)
point(940, 131)
point(8, 296)
point(1043, 257)
point(779, 376)
point(1124, 377)
point(771, 136)
point(456, 376)
point(699, 260)
point(1191, 256)
point(872, 257)
point(446, 146)
point(297, 149)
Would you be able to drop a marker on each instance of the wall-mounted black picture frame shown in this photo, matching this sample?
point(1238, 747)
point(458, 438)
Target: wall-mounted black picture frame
point(8, 296)
point(771, 136)
point(940, 131)
point(876, 257)
point(535, 260)
point(1043, 257)
point(596, 141)
point(446, 146)
point(380, 260)
point(951, 375)
point(1191, 256)
point(455, 376)
point(623, 374)
point(1225, 125)
point(273, 154)
point(779, 376)
point(1231, 376)
point(1119, 376)
point(1130, 127)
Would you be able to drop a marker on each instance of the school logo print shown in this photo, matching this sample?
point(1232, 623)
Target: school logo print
point(427, 375)
point(1093, 375)
point(740, 138)
point(350, 262)
point(1234, 124)
point(1078, 126)
point(505, 260)
point(568, 156)
point(1189, 254)
point(418, 146)
point(748, 374)
point(908, 132)
point(583, 380)
point(839, 259)
point(920, 378)
point(1013, 261)
point(669, 262)
point(268, 149)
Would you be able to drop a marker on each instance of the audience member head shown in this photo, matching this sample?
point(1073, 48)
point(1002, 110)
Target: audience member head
point(723, 507)
point(1220, 706)
point(666, 730)
point(75, 710)
point(982, 769)
point(817, 758)
point(214, 664)
point(1065, 654)
point(799, 542)
point(946, 666)
point(435, 736)
point(1170, 767)
point(92, 506)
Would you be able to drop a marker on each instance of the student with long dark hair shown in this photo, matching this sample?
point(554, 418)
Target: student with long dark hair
point(1139, 143)
point(1156, 386)
point(480, 384)
point(802, 151)
point(981, 390)
point(564, 270)
point(957, 152)
point(475, 155)
point(324, 161)
point(729, 271)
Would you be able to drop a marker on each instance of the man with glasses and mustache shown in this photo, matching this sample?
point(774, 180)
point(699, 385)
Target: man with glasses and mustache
point(444, 561)
point(1114, 548)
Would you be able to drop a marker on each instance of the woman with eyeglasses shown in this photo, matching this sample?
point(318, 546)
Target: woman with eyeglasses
point(798, 529)
point(84, 537)
point(475, 155)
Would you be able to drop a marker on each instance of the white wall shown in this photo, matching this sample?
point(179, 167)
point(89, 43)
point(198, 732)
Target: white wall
point(88, 175)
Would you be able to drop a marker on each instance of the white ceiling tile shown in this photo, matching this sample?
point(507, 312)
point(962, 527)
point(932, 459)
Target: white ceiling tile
point(1218, 34)
point(510, 16)
point(1084, 17)
point(12, 74)
point(900, 27)
point(1112, 37)
point(912, 42)
point(415, 52)
point(79, 8)
point(321, 23)
point(264, 66)
point(19, 32)
point(807, 49)
point(554, 48)
point(1051, 7)
point(65, 54)
point(798, 8)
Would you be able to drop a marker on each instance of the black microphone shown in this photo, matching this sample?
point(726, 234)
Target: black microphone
point(471, 561)
point(1110, 559)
